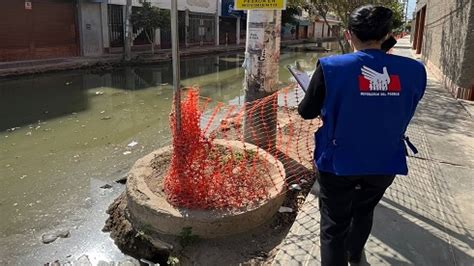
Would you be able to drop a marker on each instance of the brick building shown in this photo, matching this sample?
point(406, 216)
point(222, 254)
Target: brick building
point(444, 36)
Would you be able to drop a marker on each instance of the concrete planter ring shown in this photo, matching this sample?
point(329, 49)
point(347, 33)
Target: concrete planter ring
point(149, 211)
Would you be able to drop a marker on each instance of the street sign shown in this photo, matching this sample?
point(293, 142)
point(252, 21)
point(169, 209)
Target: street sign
point(260, 4)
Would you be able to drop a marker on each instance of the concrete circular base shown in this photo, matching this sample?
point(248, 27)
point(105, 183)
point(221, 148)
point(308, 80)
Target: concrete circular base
point(151, 212)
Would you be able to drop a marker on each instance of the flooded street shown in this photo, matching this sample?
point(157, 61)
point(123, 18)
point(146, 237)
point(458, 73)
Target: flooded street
point(64, 135)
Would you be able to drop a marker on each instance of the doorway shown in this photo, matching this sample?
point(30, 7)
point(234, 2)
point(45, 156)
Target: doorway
point(419, 30)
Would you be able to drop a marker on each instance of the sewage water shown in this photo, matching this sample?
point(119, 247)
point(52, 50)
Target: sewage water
point(64, 135)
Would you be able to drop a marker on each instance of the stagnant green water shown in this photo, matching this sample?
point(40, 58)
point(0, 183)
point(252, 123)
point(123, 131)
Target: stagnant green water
point(64, 135)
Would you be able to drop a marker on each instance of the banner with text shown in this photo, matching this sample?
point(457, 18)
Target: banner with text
point(260, 4)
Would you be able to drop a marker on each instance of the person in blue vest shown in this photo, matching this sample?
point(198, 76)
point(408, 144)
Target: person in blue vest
point(366, 100)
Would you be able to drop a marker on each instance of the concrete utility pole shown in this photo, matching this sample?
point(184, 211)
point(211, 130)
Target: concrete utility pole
point(128, 31)
point(262, 57)
point(216, 28)
point(176, 67)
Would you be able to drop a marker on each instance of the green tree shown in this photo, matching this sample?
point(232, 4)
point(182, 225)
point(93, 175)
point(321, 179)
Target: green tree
point(150, 18)
point(343, 8)
point(288, 15)
point(398, 14)
point(322, 8)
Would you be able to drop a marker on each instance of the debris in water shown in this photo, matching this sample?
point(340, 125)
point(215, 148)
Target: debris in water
point(49, 238)
point(37, 127)
point(164, 84)
point(23, 177)
point(99, 93)
point(132, 144)
point(106, 186)
point(105, 118)
point(127, 152)
point(122, 180)
point(68, 83)
point(102, 112)
point(148, 263)
point(57, 263)
point(13, 129)
point(84, 261)
point(295, 187)
point(28, 133)
point(285, 209)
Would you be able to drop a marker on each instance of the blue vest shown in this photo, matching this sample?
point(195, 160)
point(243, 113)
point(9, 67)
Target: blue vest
point(370, 99)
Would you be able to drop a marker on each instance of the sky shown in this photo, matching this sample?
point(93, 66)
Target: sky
point(411, 8)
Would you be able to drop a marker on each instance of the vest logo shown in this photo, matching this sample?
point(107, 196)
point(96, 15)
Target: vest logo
point(373, 83)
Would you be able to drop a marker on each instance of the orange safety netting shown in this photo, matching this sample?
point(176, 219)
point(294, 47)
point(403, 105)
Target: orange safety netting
point(205, 175)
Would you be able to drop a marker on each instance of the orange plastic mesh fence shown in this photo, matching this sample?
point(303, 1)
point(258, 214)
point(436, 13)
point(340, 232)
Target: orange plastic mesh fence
point(207, 174)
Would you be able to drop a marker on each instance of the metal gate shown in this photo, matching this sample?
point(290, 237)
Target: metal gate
point(165, 38)
point(227, 30)
point(44, 29)
point(202, 29)
point(116, 27)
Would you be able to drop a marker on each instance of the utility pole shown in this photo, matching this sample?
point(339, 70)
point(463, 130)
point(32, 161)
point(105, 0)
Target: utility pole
point(216, 28)
point(128, 32)
point(176, 67)
point(262, 56)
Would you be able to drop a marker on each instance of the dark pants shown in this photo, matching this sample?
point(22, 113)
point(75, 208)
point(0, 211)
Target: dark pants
point(347, 209)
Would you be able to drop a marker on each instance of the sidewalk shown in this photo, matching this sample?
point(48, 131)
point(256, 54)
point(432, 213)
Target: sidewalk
point(426, 218)
point(16, 68)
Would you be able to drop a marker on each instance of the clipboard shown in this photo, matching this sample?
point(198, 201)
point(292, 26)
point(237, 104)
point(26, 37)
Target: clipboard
point(301, 77)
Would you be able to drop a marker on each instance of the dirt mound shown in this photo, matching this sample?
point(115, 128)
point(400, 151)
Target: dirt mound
point(129, 240)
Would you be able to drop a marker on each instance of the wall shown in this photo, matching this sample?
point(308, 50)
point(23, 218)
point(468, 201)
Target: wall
point(448, 40)
point(318, 29)
point(90, 16)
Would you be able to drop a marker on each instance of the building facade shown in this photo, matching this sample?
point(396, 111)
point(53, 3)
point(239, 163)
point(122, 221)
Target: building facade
point(443, 34)
point(197, 25)
point(42, 29)
point(38, 29)
point(322, 31)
